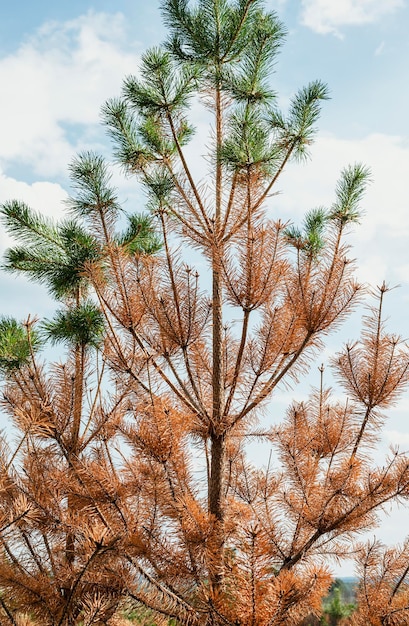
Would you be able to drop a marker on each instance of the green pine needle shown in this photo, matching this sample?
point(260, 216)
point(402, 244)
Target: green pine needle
point(29, 226)
point(140, 237)
point(16, 345)
point(59, 267)
point(123, 129)
point(81, 325)
point(349, 192)
point(91, 180)
point(311, 238)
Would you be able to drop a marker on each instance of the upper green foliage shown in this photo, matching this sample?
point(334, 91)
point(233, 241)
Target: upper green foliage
point(82, 324)
point(222, 47)
point(310, 238)
point(163, 88)
point(297, 129)
point(349, 191)
point(123, 128)
point(139, 237)
point(29, 226)
point(53, 254)
point(57, 254)
point(248, 144)
point(90, 179)
point(163, 91)
point(213, 33)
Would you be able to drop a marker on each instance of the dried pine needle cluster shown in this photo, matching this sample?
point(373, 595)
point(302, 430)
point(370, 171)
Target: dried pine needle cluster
point(126, 486)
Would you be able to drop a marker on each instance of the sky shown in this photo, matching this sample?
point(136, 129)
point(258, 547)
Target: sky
point(59, 62)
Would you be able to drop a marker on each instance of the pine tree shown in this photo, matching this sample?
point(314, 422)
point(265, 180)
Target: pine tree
point(335, 607)
point(189, 527)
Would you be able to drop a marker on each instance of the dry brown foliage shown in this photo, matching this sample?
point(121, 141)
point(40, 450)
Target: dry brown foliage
point(127, 479)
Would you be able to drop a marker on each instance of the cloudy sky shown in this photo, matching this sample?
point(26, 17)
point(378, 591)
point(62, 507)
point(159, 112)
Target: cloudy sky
point(59, 61)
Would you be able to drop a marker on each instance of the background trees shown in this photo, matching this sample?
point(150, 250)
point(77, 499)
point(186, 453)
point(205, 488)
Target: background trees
point(157, 499)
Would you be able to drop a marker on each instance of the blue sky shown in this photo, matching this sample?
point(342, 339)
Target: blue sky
point(59, 61)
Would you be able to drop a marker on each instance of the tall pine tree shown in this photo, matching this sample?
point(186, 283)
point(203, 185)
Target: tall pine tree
point(180, 520)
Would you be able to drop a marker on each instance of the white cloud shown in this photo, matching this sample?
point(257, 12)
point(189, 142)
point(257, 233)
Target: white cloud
point(326, 16)
point(57, 80)
point(397, 438)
